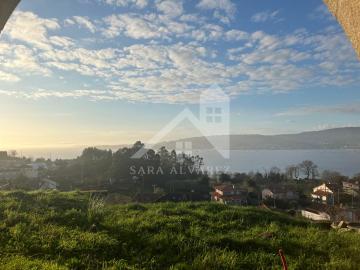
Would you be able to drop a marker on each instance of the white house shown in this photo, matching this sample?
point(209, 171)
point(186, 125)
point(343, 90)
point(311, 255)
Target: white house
point(351, 188)
point(323, 193)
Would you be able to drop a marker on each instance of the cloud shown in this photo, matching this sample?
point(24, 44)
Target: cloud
point(321, 12)
point(222, 18)
point(224, 10)
point(61, 41)
point(21, 60)
point(8, 77)
point(124, 3)
point(353, 108)
point(132, 26)
point(149, 26)
point(44, 93)
point(182, 56)
point(171, 8)
point(236, 35)
point(30, 28)
point(83, 22)
point(266, 16)
point(225, 5)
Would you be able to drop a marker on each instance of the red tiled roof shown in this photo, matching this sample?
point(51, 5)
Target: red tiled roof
point(228, 187)
point(321, 193)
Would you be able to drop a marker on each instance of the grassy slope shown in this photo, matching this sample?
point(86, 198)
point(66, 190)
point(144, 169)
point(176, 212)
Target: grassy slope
point(56, 231)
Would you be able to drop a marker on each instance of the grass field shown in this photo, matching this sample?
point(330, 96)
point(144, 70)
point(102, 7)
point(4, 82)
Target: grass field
point(70, 231)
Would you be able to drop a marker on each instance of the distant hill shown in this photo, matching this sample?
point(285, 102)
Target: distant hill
point(337, 138)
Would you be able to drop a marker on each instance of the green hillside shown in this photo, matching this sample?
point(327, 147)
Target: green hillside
point(71, 231)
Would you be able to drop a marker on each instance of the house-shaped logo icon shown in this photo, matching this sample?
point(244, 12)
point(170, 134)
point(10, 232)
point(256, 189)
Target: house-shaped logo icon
point(214, 121)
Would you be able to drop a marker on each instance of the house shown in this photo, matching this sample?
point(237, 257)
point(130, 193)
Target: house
point(315, 215)
point(351, 188)
point(229, 194)
point(279, 193)
point(47, 184)
point(324, 193)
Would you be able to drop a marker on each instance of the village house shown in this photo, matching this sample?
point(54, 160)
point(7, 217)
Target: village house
point(229, 194)
point(324, 193)
point(279, 193)
point(351, 188)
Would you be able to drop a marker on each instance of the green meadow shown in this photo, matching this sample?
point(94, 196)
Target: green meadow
point(73, 230)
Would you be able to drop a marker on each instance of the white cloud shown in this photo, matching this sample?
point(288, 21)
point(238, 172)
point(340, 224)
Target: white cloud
point(149, 26)
point(61, 41)
point(8, 77)
point(234, 34)
point(353, 108)
point(44, 93)
point(132, 26)
point(171, 8)
point(222, 18)
point(266, 16)
point(225, 5)
point(21, 60)
point(83, 22)
point(321, 12)
point(30, 28)
point(185, 56)
point(224, 10)
point(124, 3)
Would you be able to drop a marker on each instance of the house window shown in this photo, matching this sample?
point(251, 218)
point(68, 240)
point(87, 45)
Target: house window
point(214, 115)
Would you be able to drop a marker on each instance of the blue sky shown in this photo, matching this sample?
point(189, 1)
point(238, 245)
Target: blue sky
point(114, 71)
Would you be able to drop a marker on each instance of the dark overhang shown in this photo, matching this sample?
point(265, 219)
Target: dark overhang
point(6, 8)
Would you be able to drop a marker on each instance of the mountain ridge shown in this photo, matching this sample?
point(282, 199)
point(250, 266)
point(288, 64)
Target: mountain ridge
point(335, 138)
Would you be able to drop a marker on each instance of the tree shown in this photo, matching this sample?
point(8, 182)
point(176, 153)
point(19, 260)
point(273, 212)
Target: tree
point(292, 171)
point(275, 175)
point(333, 177)
point(309, 169)
point(13, 153)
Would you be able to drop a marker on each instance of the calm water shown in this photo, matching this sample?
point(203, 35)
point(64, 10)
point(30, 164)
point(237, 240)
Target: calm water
point(344, 161)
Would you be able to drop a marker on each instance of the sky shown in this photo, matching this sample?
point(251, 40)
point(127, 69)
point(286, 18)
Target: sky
point(95, 72)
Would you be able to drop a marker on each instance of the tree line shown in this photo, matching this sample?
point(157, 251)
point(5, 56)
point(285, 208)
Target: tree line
point(101, 168)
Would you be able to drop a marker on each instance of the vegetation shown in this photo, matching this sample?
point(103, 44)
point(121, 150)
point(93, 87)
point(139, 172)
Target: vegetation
point(102, 168)
point(76, 231)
